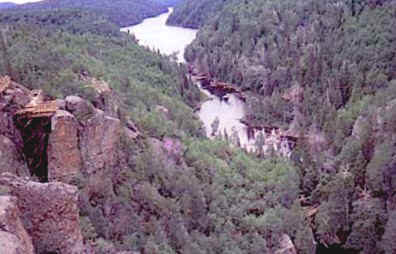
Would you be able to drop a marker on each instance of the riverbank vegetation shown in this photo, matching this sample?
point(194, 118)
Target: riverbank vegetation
point(121, 12)
point(193, 14)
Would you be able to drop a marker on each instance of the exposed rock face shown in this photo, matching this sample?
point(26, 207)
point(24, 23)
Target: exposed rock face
point(49, 214)
point(13, 236)
point(64, 158)
point(10, 161)
point(286, 246)
point(80, 108)
point(12, 98)
point(99, 142)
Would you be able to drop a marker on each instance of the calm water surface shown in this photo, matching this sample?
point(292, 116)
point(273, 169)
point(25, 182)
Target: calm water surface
point(155, 34)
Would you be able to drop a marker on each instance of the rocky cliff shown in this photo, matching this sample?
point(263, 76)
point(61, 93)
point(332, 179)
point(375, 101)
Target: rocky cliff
point(57, 143)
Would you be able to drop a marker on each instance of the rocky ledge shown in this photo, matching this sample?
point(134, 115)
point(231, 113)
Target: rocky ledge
point(47, 147)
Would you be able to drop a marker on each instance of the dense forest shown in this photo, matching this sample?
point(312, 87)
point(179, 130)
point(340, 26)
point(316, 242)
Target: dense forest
point(193, 14)
point(322, 70)
point(121, 12)
point(208, 199)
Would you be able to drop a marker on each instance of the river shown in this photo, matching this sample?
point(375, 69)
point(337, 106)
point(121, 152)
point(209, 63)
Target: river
point(155, 34)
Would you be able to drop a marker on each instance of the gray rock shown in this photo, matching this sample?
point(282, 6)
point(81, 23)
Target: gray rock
point(99, 141)
point(49, 213)
point(80, 108)
point(13, 237)
point(10, 160)
point(286, 246)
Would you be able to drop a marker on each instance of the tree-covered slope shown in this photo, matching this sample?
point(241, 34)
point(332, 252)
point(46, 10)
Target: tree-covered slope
point(270, 46)
point(323, 71)
point(193, 14)
point(203, 197)
point(120, 12)
point(76, 21)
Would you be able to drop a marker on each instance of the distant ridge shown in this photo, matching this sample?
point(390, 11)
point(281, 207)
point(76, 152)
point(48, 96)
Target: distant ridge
point(7, 5)
point(120, 12)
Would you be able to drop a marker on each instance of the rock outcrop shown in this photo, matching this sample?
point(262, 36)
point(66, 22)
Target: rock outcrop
point(13, 237)
point(64, 157)
point(12, 98)
point(74, 142)
point(286, 246)
point(99, 141)
point(49, 213)
point(10, 160)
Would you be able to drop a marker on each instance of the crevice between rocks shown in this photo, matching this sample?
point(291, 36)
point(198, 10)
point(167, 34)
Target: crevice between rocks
point(35, 134)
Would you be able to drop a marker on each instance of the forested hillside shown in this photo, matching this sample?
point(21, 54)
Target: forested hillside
point(323, 71)
point(193, 14)
point(75, 21)
point(121, 12)
point(171, 190)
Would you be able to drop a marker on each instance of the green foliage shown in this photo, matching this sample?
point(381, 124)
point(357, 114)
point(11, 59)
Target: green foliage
point(143, 79)
point(378, 166)
point(194, 14)
point(121, 12)
point(214, 198)
point(268, 46)
point(76, 21)
point(333, 217)
point(369, 219)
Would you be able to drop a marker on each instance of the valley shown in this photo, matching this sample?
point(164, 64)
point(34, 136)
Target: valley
point(203, 127)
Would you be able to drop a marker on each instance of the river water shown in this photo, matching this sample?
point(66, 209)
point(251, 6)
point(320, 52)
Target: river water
point(155, 34)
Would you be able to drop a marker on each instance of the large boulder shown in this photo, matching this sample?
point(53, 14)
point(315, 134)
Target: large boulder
point(99, 140)
point(13, 237)
point(80, 108)
point(10, 160)
point(64, 157)
point(49, 213)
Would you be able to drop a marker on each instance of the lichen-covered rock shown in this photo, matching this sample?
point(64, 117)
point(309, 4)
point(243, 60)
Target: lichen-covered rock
point(80, 108)
point(10, 160)
point(99, 141)
point(49, 213)
point(13, 237)
point(64, 157)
